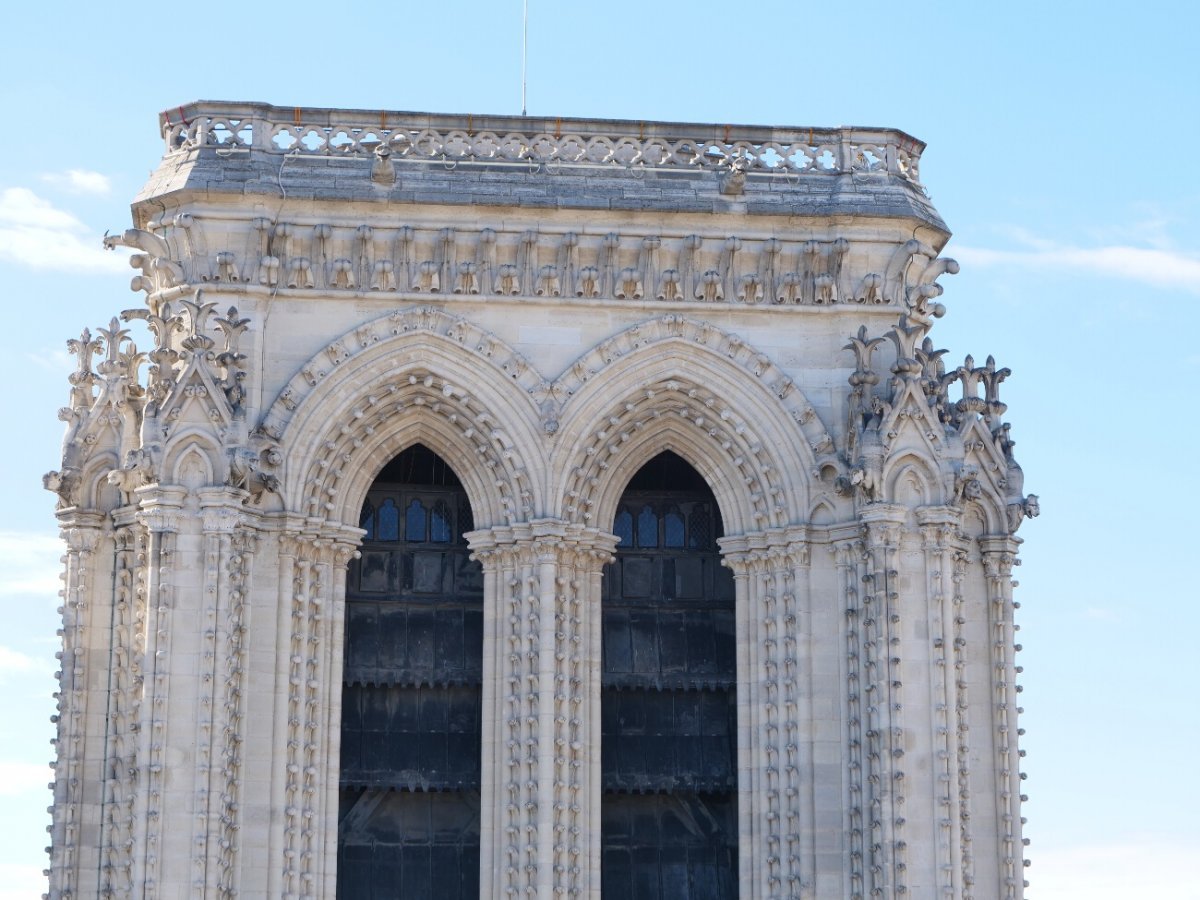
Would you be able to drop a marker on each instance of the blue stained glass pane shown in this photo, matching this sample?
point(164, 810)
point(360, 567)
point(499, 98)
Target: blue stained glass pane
point(647, 527)
point(367, 521)
point(389, 521)
point(439, 531)
point(414, 521)
point(623, 528)
point(673, 529)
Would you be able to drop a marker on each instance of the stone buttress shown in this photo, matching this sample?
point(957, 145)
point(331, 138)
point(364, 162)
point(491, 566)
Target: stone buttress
point(546, 305)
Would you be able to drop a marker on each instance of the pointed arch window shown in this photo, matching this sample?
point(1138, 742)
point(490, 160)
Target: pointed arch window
point(668, 706)
point(411, 697)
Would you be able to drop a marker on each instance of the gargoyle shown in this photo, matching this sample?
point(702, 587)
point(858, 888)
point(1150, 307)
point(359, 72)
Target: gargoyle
point(64, 483)
point(1027, 508)
point(148, 243)
point(245, 472)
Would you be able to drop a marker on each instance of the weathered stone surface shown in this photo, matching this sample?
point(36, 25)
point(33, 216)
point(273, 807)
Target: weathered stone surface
point(547, 306)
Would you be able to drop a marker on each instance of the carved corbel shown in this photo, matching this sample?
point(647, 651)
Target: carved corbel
point(924, 287)
point(750, 288)
point(728, 265)
point(548, 284)
point(688, 249)
point(225, 268)
point(588, 284)
point(768, 265)
point(870, 289)
point(467, 281)
point(300, 273)
point(443, 255)
point(609, 252)
point(485, 258)
point(789, 290)
point(824, 290)
point(383, 276)
point(364, 240)
point(508, 280)
point(321, 235)
point(629, 284)
point(527, 260)
point(710, 288)
point(810, 255)
point(404, 255)
point(428, 278)
point(670, 285)
point(648, 264)
point(567, 250)
point(895, 276)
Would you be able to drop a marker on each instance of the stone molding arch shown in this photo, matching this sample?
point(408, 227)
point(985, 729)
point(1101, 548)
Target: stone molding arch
point(756, 366)
point(414, 378)
point(670, 394)
point(924, 479)
point(379, 338)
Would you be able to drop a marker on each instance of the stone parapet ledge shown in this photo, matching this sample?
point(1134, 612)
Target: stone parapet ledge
point(455, 138)
point(216, 151)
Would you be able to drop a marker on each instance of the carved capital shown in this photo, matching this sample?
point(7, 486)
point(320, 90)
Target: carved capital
point(542, 541)
point(81, 538)
point(221, 509)
point(161, 507)
point(883, 523)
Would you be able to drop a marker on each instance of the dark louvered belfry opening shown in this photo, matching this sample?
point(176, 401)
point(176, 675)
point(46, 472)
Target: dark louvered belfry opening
point(669, 752)
point(409, 816)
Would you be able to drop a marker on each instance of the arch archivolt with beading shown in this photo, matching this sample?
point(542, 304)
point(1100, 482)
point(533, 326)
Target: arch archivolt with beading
point(420, 376)
point(525, 447)
point(707, 396)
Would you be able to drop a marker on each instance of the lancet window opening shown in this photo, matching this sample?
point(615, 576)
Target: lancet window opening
point(668, 702)
point(411, 697)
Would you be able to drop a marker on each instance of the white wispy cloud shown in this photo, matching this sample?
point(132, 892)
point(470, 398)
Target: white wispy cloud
point(30, 563)
point(1158, 867)
point(21, 881)
point(15, 661)
point(1148, 265)
point(80, 181)
point(23, 777)
point(54, 360)
point(36, 233)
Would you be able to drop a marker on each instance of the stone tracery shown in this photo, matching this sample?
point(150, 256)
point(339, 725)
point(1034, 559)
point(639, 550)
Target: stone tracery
point(213, 484)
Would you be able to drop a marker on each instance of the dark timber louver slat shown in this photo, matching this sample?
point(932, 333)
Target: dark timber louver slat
point(410, 769)
point(669, 715)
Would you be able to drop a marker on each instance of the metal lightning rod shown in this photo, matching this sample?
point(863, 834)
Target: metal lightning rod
point(524, 50)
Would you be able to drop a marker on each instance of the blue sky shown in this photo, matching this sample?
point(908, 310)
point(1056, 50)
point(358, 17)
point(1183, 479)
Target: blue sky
point(1063, 145)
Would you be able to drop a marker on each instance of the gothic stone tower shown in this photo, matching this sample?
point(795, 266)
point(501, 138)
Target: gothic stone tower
point(507, 508)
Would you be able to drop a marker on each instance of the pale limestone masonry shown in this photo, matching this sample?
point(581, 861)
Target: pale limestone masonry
point(547, 304)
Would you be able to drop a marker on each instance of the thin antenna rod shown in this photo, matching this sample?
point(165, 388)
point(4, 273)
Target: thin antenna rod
point(524, 50)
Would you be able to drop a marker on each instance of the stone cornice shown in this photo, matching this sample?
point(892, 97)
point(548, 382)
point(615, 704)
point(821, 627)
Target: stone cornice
point(375, 255)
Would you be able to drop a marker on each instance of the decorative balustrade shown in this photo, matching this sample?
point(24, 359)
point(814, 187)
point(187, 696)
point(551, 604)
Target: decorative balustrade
point(512, 140)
